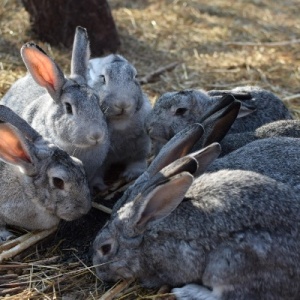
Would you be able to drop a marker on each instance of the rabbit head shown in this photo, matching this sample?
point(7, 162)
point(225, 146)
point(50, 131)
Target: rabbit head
point(216, 120)
point(38, 176)
point(114, 80)
point(68, 109)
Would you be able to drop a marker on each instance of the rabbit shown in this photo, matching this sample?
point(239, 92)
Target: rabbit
point(40, 183)
point(230, 234)
point(287, 128)
point(65, 111)
point(175, 110)
point(125, 106)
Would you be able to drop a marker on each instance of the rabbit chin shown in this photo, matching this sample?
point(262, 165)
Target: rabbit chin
point(120, 122)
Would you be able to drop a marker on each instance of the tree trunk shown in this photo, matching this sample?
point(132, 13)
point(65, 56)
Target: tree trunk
point(54, 22)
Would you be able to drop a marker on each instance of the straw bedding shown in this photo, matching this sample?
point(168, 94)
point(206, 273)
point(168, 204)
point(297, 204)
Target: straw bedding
point(215, 44)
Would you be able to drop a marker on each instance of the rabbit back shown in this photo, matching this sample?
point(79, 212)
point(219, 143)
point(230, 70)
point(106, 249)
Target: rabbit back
point(276, 157)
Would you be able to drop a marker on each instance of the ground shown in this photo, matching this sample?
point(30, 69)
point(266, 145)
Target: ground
point(217, 44)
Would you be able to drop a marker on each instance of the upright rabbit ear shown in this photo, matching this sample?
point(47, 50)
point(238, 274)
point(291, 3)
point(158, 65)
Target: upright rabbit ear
point(14, 149)
point(246, 109)
point(219, 105)
point(80, 54)
point(43, 69)
point(217, 126)
point(160, 201)
point(175, 148)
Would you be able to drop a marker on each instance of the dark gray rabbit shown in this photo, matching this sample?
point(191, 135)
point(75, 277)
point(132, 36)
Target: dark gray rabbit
point(125, 107)
point(65, 111)
point(227, 234)
point(281, 128)
point(40, 183)
point(175, 110)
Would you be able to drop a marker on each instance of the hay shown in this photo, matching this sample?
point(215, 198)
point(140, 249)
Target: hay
point(216, 44)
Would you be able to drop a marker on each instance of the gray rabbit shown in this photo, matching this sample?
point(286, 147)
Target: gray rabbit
point(281, 128)
point(40, 183)
point(65, 111)
point(175, 110)
point(125, 107)
point(230, 234)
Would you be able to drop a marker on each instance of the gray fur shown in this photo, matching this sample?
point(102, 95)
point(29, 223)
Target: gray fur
point(125, 107)
point(236, 233)
point(287, 128)
point(40, 183)
point(276, 157)
point(44, 97)
point(175, 110)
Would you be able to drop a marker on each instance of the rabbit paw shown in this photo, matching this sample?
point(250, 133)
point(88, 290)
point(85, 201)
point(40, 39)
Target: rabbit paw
point(134, 170)
point(193, 292)
point(5, 235)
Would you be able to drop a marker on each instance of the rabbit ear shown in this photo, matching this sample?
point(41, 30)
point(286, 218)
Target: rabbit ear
point(220, 104)
point(14, 149)
point(245, 110)
point(205, 157)
point(80, 54)
point(161, 201)
point(176, 147)
point(218, 125)
point(8, 116)
point(43, 69)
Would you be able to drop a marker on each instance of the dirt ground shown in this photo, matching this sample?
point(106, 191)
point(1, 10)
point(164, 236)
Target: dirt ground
point(217, 44)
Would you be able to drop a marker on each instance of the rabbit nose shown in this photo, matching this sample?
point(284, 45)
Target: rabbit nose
point(122, 105)
point(96, 137)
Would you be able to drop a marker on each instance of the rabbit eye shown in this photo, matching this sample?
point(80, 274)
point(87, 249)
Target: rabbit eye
point(105, 249)
point(102, 79)
point(69, 108)
point(180, 111)
point(58, 183)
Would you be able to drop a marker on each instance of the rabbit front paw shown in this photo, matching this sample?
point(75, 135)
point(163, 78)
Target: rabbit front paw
point(193, 292)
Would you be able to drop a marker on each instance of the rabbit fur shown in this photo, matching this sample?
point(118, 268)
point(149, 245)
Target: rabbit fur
point(64, 110)
point(175, 110)
point(230, 234)
point(287, 128)
point(40, 183)
point(125, 106)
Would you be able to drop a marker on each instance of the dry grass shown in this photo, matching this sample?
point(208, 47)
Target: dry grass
point(218, 44)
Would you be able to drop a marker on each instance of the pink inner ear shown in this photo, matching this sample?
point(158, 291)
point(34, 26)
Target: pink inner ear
point(11, 148)
point(41, 65)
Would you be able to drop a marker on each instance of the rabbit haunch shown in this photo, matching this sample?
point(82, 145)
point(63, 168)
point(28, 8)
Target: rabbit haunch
point(40, 183)
point(65, 111)
point(125, 106)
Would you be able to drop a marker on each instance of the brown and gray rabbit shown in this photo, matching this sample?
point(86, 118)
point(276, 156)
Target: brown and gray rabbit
point(64, 110)
point(40, 183)
point(224, 235)
point(173, 111)
point(125, 106)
